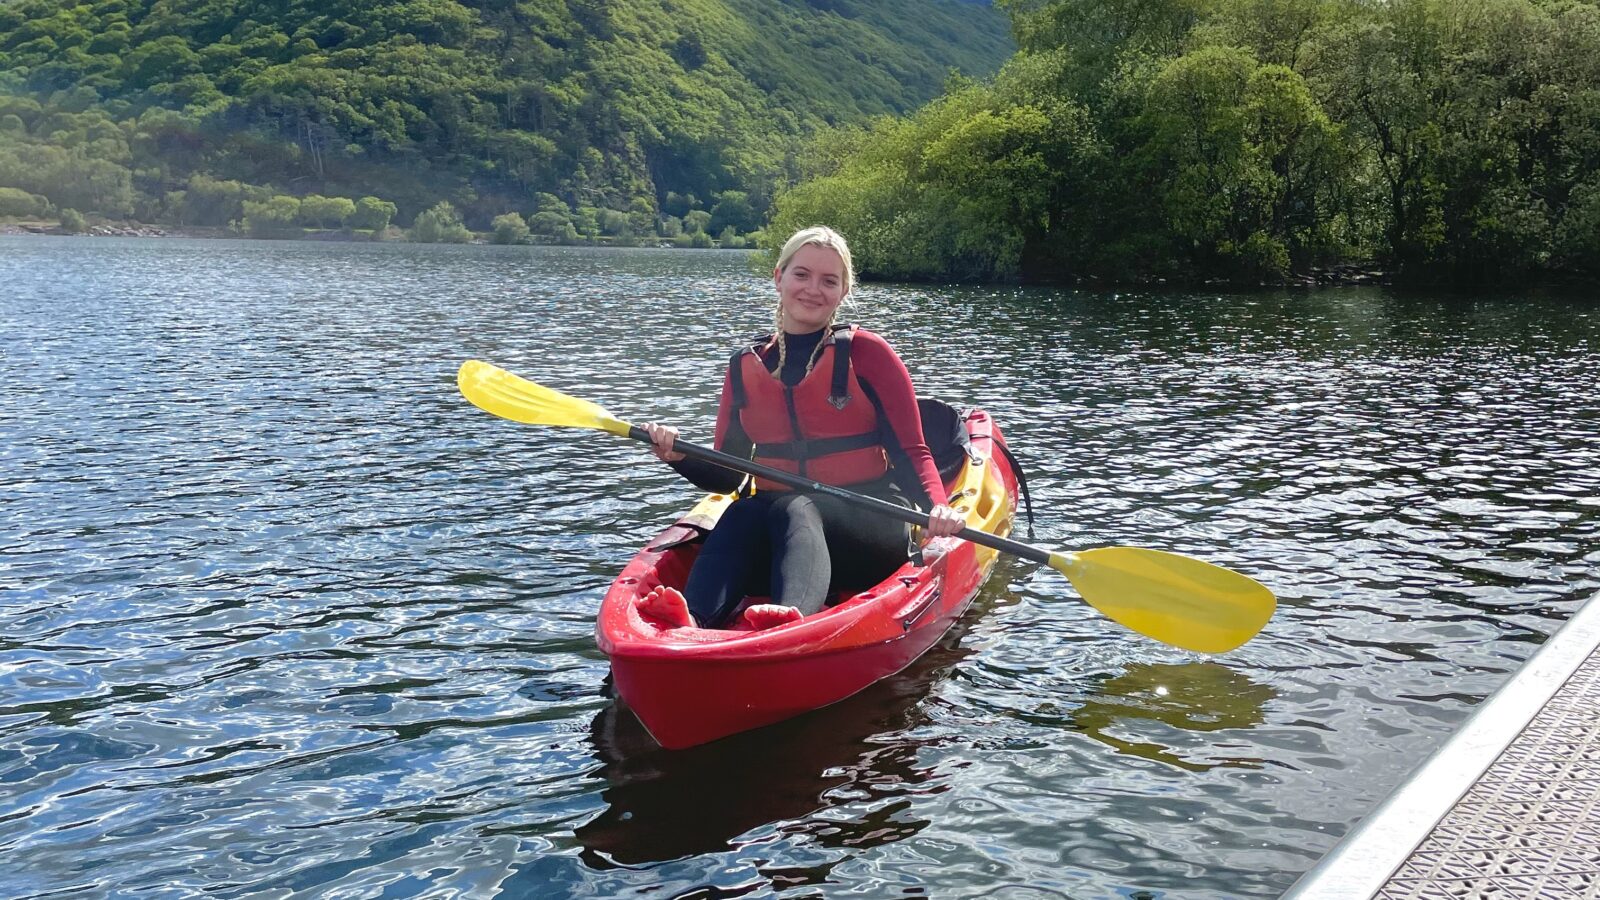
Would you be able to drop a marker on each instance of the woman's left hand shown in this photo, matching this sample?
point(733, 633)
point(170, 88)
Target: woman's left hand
point(943, 520)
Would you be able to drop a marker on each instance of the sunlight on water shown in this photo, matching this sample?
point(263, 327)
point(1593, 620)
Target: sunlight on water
point(280, 612)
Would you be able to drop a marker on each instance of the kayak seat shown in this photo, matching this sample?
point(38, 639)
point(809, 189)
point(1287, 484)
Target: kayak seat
point(944, 430)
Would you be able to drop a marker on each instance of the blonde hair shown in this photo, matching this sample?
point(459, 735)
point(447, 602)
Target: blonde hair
point(820, 236)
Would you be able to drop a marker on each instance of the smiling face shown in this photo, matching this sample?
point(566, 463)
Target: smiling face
point(810, 288)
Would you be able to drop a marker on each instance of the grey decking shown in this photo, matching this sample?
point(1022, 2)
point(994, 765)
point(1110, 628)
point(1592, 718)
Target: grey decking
point(1508, 807)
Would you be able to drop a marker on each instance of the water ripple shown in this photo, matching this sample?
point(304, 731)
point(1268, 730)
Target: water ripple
point(280, 614)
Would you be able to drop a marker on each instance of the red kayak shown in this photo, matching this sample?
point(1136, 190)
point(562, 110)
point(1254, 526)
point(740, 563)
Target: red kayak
point(693, 685)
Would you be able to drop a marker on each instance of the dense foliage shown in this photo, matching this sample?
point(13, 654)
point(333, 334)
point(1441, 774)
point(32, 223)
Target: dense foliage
point(1239, 139)
point(579, 111)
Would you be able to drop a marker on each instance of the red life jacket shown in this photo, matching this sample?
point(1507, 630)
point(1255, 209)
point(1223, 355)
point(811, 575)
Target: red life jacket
point(824, 428)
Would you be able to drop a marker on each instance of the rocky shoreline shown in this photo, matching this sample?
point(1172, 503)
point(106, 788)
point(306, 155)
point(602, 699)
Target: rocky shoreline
point(1346, 274)
point(92, 230)
point(157, 231)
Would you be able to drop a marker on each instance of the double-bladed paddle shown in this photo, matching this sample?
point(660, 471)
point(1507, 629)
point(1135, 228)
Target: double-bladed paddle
point(1172, 598)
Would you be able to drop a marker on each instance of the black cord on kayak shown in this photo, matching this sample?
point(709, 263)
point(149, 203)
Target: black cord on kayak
point(1022, 482)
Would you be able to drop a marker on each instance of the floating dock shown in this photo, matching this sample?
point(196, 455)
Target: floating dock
point(1509, 807)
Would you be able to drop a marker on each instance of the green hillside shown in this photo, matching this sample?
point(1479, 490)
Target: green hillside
point(182, 111)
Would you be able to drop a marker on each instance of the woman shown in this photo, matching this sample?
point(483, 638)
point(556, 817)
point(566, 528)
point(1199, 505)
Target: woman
point(833, 403)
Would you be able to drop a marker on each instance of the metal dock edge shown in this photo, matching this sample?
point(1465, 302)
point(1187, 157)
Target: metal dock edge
point(1508, 807)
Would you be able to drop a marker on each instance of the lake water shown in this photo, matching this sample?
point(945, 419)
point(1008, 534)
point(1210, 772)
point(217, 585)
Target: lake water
point(282, 615)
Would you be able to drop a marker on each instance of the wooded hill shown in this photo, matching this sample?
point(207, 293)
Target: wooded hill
point(180, 111)
point(1242, 140)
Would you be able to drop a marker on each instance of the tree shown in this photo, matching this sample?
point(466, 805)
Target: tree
point(510, 228)
point(1577, 238)
point(83, 181)
point(274, 217)
point(326, 212)
point(586, 219)
point(615, 222)
point(440, 224)
point(210, 201)
point(372, 214)
point(733, 210)
point(696, 221)
point(641, 216)
point(551, 223)
point(544, 202)
point(1102, 35)
point(1232, 146)
point(21, 204)
point(1379, 79)
point(678, 204)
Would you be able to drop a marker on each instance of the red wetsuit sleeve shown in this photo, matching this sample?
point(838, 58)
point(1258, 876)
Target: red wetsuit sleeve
point(880, 368)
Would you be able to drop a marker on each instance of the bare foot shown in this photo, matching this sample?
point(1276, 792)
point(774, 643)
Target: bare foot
point(666, 607)
point(770, 615)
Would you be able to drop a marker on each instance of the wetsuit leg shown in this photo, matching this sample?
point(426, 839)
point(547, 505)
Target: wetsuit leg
point(865, 548)
point(801, 564)
point(735, 553)
point(822, 544)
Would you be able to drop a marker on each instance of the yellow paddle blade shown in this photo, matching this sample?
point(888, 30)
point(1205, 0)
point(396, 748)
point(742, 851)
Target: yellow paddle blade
point(1174, 599)
point(495, 390)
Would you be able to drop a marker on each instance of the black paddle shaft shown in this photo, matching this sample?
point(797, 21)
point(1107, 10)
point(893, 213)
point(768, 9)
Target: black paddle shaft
point(807, 485)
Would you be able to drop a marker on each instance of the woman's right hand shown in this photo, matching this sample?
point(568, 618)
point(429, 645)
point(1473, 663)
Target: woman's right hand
point(942, 520)
point(661, 440)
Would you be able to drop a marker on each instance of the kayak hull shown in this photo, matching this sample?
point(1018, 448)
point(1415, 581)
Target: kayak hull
point(689, 686)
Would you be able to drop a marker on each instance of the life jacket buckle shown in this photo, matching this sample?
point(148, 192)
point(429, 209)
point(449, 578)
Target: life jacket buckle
point(839, 402)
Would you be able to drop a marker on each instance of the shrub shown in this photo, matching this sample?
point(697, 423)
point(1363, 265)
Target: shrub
point(696, 220)
point(18, 202)
point(440, 225)
point(271, 218)
point(372, 213)
point(509, 228)
point(326, 212)
point(614, 222)
point(550, 223)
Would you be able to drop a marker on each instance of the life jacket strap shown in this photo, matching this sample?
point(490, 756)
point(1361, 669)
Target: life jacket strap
point(839, 390)
point(736, 378)
point(811, 449)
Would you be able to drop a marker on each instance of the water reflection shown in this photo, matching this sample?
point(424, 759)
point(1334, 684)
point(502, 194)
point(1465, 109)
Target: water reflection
point(665, 804)
point(1191, 697)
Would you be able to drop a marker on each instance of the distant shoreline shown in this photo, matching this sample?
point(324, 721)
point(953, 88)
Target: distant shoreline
point(178, 231)
point(391, 236)
point(1344, 275)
